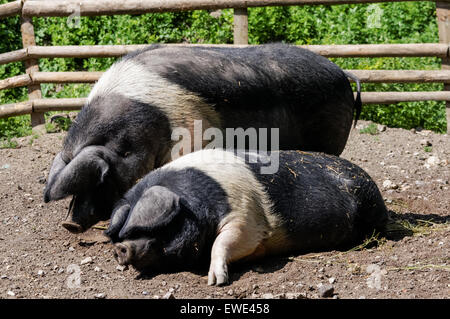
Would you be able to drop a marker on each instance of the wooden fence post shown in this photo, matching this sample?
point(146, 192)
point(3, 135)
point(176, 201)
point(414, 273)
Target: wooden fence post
point(443, 20)
point(240, 35)
point(31, 66)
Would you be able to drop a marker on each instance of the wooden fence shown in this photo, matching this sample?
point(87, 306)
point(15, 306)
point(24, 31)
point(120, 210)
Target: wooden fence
point(30, 53)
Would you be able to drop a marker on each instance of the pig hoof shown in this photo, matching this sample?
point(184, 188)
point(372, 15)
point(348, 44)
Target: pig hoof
point(217, 279)
point(72, 227)
point(221, 280)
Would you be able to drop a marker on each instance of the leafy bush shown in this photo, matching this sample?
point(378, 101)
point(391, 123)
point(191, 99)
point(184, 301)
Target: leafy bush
point(405, 22)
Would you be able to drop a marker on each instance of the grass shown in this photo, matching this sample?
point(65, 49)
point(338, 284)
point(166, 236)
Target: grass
point(428, 149)
point(369, 129)
point(8, 143)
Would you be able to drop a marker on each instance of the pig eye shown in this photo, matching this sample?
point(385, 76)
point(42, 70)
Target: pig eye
point(124, 154)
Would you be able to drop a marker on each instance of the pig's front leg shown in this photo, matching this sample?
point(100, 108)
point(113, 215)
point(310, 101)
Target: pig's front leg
point(234, 242)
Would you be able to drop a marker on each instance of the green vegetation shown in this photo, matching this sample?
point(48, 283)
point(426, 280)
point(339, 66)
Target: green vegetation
point(369, 129)
point(428, 149)
point(8, 143)
point(408, 22)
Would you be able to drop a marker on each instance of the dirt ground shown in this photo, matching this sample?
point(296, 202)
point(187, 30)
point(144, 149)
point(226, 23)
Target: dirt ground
point(40, 259)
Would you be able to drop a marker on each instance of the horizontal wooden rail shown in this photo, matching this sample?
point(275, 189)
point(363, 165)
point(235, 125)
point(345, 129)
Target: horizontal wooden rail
point(15, 109)
point(396, 97)
point(402, 76)
point(14, 56)
point(67, 104)
point(10, 9)
point(112, 7)
point(16, 81)
point(439, 50)
point(366, 76)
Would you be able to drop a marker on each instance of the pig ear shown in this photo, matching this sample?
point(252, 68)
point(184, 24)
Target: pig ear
point(118, 219)
point(57, 166)
point(156, 208)
point(86, 170)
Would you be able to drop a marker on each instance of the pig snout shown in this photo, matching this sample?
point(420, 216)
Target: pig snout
point(122, 253)
point(72, 227)
point(81, 215)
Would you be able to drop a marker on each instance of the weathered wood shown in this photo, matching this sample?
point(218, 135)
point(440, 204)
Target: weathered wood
point(240, 35)
point(31, 66)
point(10, 9)
point(106, 51)
point(395, 97)
point(364, 50)
point(13, 56)
point(66, 104)
point(380, 50)
point(65, 77)
point(82, 51)
point(110, 7)
point(443, 20)
point(15, 81)
point(402, 76)
point(15, 109)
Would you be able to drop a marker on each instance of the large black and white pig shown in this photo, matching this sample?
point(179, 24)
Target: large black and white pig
point(213, 205)
point(124, 130)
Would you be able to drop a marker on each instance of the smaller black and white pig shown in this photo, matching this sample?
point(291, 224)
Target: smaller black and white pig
point(214, 204)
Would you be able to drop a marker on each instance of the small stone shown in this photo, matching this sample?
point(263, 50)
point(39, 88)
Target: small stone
point(86, 260)
point(100, 296)
point(295, 295)
point(325, 290)
point(425, 142)
point(3, 277)
point(387, 184)
point(97, 269)
point(230, 292)
point(332, 280)
point(163, 283)
point(433, 161)
point(381, 128)
point(267, 296)
point(145, 293)
point(40, 273)
point(71, 248)
point(10, 293)
point(168, 295)
point(121, 268)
